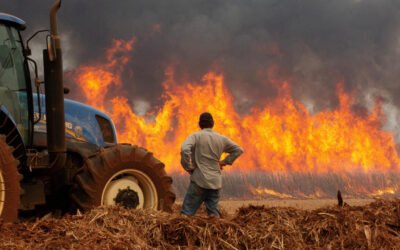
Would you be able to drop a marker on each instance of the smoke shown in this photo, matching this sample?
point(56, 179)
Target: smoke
point(315, 44)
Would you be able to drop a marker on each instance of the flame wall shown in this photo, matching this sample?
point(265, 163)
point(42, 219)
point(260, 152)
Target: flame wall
point(289, 80)
point(280, 135)
point(316, 43)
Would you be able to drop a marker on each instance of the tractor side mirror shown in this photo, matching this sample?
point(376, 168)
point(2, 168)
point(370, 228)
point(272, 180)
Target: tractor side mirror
point(6, 60)
point(28, 51)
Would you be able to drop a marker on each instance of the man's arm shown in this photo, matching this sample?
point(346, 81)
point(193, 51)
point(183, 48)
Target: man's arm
point(186, 153)
point(233, 150)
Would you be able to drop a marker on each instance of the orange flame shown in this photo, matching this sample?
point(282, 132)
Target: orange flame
point(97, 79)
point(280, 136)
point(384, 191)
point(270, 192)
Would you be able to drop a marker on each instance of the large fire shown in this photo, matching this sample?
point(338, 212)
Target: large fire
point(279, 136)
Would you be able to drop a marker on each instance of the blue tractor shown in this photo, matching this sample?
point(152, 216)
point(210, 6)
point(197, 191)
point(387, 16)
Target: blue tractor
point(59, 153)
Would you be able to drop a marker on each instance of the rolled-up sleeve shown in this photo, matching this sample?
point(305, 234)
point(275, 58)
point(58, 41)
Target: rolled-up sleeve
point(186, 153)
point(233, 150)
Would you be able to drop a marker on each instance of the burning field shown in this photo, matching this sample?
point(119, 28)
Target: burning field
point(309, 90)
point(290, 152)
point(374, 226)
point(278, 136)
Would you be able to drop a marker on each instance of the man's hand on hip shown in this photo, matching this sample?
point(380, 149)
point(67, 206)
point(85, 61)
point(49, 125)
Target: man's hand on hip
point(222, 165)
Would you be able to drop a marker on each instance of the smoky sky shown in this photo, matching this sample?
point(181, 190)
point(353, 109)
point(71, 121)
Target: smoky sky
point(315, 44)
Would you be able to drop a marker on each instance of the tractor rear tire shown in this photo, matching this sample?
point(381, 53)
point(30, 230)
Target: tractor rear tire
point(124, 174)
point(9, 183)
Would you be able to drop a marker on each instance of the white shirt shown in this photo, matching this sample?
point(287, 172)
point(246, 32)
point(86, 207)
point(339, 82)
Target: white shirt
point(201, 152)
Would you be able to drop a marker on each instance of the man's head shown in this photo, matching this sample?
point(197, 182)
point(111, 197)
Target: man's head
point(206, 120)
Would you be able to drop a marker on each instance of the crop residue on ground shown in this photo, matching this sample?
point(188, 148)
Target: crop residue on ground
point(376, 225)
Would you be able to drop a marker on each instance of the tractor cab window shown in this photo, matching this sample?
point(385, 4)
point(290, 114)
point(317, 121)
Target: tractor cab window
point(13, 84)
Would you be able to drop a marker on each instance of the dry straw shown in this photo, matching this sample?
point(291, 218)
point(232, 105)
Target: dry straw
point(375, 226)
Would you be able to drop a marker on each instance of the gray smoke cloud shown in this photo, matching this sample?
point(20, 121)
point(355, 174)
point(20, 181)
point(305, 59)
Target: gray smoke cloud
point(314, 43)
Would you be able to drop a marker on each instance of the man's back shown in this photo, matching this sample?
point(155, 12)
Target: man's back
point(200, 157)
point(201, 152)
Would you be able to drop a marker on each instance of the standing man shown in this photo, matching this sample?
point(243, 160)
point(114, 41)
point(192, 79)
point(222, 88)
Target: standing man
point(200, 157)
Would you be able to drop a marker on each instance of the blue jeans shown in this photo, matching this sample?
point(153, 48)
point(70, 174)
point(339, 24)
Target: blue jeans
point(196, 195)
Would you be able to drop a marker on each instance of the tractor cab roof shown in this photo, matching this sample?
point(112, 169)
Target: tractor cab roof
point(12, 20)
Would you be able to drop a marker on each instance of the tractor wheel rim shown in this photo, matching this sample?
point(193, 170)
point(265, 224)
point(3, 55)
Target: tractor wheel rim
point(134, 180)
point(2, 192)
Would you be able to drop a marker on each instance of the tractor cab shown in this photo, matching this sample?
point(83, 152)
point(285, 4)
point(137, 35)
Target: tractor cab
point(15, 88)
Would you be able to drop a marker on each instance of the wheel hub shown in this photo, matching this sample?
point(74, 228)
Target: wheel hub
point(142, 192)
point(127, 198)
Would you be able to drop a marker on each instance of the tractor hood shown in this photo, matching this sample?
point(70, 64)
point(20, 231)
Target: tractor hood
point(82, 123)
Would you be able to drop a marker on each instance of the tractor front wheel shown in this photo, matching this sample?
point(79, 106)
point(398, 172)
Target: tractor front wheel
point(126, 175)
point(9, 183)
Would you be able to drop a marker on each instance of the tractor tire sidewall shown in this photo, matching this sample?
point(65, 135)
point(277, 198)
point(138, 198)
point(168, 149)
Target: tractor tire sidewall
point(103, 166)
point(9, 170)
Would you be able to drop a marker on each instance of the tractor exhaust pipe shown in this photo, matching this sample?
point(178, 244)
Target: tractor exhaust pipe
point(53, 23)
point(54, 89)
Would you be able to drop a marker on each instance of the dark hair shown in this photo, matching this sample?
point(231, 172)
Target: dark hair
point(206, 120)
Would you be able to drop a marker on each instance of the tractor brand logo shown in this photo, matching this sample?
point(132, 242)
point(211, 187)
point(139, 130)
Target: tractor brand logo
point(68, 125)
point(71, 129)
